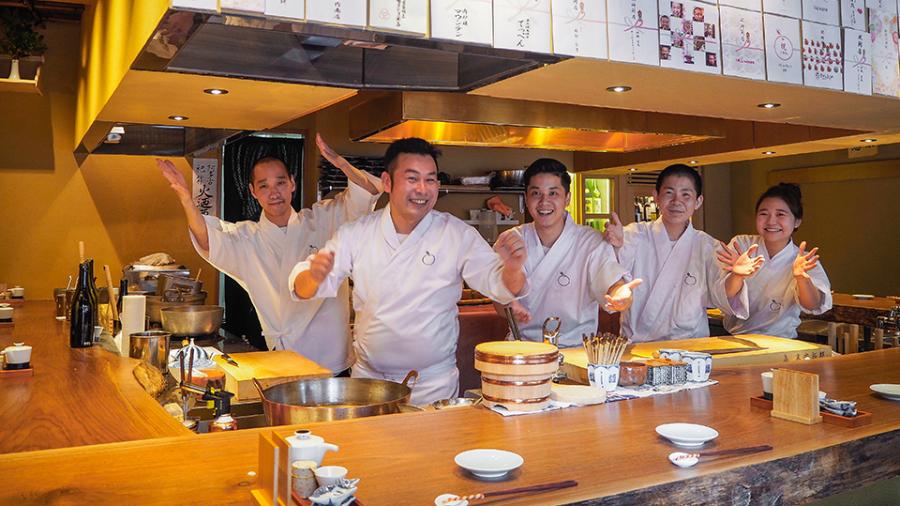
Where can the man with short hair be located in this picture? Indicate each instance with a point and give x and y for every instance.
(259, 255)
(570, 268)
(408, 263)
(677, 263)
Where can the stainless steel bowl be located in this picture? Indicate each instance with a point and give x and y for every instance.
(459, 402)
(192, 320)
(155, 303)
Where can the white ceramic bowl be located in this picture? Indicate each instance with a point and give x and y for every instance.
(486, 463)
(6, 312)
(889, 391)
(688, 435)
(330, 475)
(449, 500)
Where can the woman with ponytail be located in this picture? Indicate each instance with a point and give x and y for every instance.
(789, 279)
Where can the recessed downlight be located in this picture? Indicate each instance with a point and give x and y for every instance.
(215, 91)
(694, 162)
(178, 117)
(768, 152)
(869, 140)
(619, 89)
(768, 105)
(632, 169)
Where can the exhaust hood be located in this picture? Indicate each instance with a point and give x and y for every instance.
(458, 119)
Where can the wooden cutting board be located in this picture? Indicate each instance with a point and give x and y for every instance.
(760, 350)
(269, 367)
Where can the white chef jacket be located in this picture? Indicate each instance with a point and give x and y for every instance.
(771, 294)
(405, 294)
(570, 280)
(679, 281)
(260, 255)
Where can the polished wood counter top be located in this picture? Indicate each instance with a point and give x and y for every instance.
(611, 450)
(77, 396)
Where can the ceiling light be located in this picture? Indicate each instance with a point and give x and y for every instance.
(769, 105)
(869, 140)
(619, 89)
(632, 169)
(768, 152)
(215, 91)
(694, 162)
(178, 118)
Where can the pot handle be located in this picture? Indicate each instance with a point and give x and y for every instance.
(411, 375)
(260, 388)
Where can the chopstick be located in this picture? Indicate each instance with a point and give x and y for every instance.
(199, 270)
(604, 349)
(513, 326)
(736, 451)
(109, 289)
(521, 490)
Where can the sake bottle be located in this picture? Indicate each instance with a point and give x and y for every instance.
(83, 309)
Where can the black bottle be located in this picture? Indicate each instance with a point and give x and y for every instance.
(84, 309)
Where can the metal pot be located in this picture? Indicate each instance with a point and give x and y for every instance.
(155, 303)
(507, 178)
(192, 320)
(151, 347)
(327, 399)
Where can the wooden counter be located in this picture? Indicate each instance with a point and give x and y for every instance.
(610, 449)
(845, 308)
(77, 396)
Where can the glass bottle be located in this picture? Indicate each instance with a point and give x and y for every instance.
(83, 309)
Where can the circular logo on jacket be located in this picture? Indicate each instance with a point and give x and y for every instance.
(428, 259)
(690, 279)
(775, 306)
(563, 280)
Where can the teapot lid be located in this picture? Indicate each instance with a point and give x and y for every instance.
(305, 438)
(17, 347)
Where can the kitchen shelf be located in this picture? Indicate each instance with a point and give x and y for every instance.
(19, 86)
(500, 223)
(475, 189)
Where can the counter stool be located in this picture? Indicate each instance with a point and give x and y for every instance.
(843, 337)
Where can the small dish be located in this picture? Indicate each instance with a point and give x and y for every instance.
(687, 435)
(449, 500)
(863, 296)
(889, 391)
(488, 463)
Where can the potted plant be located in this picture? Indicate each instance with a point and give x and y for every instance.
(18, 38)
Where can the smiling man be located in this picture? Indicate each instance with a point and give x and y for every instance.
(259, 255)
(408, 263)
(570, 268)
(676, 261)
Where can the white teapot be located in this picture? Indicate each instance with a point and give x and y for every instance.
(306, 446)
(17, 356)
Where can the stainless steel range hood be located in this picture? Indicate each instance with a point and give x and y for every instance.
(254, 48)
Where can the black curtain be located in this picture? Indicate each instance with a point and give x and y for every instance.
(239, 205)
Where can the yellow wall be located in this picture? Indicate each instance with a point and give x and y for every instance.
(119, 205)
(114, 32)
(854, 222)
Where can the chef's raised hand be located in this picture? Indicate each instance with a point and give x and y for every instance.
(320, 265)
(742, 264)
(521, 314)
(176, 180)
(621, 296)
(511, 248)
(614, 232)
(352, 173)
(805, 261)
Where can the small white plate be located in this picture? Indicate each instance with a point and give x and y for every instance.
(688, 435)
(887, 390)
(863, 296)
(488, 464)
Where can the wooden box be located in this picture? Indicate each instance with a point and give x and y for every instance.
(269, 367)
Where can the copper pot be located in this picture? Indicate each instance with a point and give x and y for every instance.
(326, 399)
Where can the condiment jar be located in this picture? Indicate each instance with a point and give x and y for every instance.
(223, 423)
(303, 477)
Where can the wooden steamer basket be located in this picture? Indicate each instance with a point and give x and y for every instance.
(516, 374)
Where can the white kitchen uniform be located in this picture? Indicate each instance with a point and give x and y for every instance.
(679, 281)
(771, 293)
(570, 280)
(405, 294)
(259, 256)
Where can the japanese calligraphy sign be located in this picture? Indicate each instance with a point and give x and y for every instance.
(853, 14)
(857, 62)
(783, 62)
(287, 9)
(885, 72)
(822, 11)
(579, 28)
(400, 15)
(789, 8)
(634, 31)
(743, 48)
(522, 25)
(341, 12)
(463, 20)
(205, 188)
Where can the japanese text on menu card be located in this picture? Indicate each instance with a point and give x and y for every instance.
(579, 28)
(342, 12)
(253, 6)
(689, 36)
(783, 62)
(288, 9)
(523, 25)
(743, 47)
(463, 20)
(890, 6)
(789, 8)
(822, 56)
(205, 187)
(822, 11)
(633, 31)
(402, 15)
(196, 5)
(885, 71)
(751, 5)
(853, 14)
(857, 62)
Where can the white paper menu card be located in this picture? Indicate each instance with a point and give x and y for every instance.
(523, 25)
(633, 31)
(463, 20)
(288, 9)
(823, 61)
(743, 46)
(752, 5)
(579, 28)
(691, 41)
(248, 6)
(885, 70)
(857, 62)
(196, 5)
(789, 8)
(822, 11)
(783, 61)
(400, 15)
(341, 12)
(853, 14)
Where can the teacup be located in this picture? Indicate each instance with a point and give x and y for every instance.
(330, 475)
(672, 354)
(603, 376)
(17, 292)
(699, 365)
(6, 313)
(767, 384)
(17, 356)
